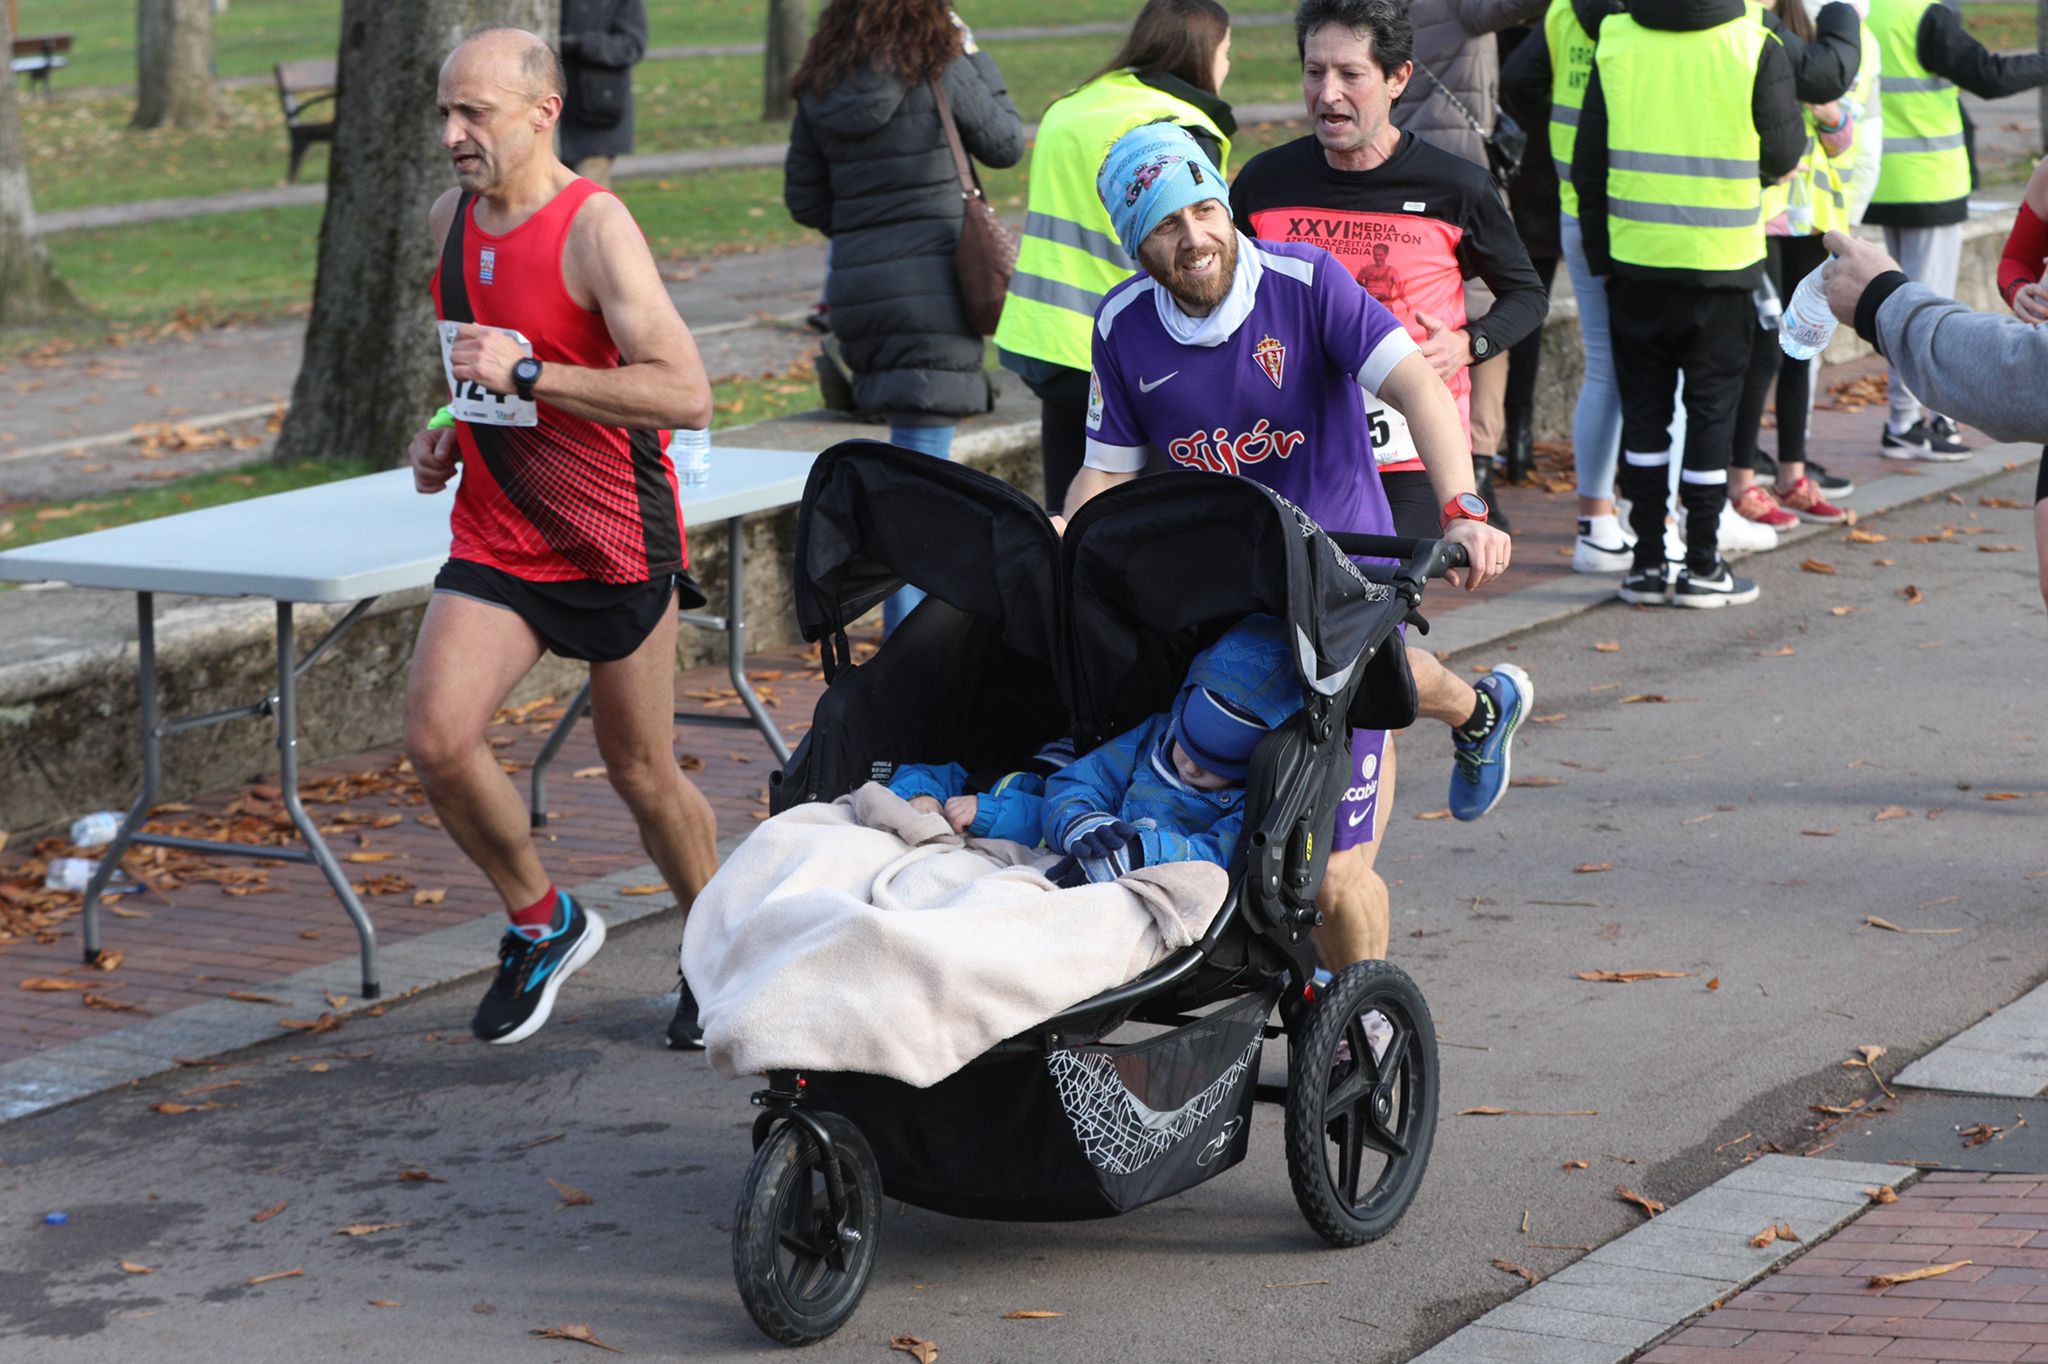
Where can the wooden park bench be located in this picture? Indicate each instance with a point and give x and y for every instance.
(300, 86)
(37, 55)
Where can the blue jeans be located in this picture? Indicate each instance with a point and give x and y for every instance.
(926, 440)
(1596, 421)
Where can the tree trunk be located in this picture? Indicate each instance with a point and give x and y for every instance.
(174, 64)
(29, 288)
(371, 373)
(787, 34)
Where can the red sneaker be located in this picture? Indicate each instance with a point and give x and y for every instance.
(1759, 506)
(1804, 499)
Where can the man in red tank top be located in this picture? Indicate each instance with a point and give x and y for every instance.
(566, 362)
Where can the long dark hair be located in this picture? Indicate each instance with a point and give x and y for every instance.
(1793, 12)
(912, 40)
(1179, 37)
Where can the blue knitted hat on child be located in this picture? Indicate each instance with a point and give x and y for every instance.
(1153, 171)
(1218, 735)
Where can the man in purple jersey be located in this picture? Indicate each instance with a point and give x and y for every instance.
(1252, 358)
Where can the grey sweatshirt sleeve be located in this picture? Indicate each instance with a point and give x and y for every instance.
(1963, 362)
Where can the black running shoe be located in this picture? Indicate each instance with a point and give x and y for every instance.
(1646, 587)
(685, 1033)
(1944, 440)
(1719, 588)
(530, 974)
(1831, 486)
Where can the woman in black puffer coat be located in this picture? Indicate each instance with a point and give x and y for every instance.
(869, 166)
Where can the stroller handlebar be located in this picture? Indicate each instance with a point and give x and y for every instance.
(1423, 558)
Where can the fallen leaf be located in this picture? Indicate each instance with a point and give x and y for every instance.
(312, 1026)
(585, 1335)
(1608, 646)
(1915, 1275)
(1864, 1056)
(368, 1228)
(93, 1001)
(381, 1302)
(428, 897)
(272, 1278)
(368, 857)
(690, 762)
(1510, 1267)
(419, 1177)
(1768, 1236)
(923, 1351)
(109, 961)
(1884, 563)
(270, 1212)
(1536, 781)
(585, 773)
(572, 1197)
(1784, 651)
(1999, 502)
(1978, 1133)
(1630, 977)
(1892, 812)
(1872, 921)
(1714, 984)
(130, 1267)
(1865, 537)
(1577, 1165)
(54, 983)
(1487, 1111)
(1588, 868)
(1435, 814)
(1816, 566)
(652, 888)
(1912, 594)
(171, 1108)
(1650, 1206)
(1884, 1193)
(1841, 610)
(1030, 1314)
(1998, 549)
(318, 1068)
(1820, 833)
(251, 997)
(1654, 698)
(335, 1001)
(2006, 795)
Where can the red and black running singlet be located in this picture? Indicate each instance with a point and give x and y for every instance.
(569, 498)
(1411, 230)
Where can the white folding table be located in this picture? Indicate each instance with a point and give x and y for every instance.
(350, 541)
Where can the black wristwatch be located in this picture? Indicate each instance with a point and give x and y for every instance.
(1481, 347)
(525, 374)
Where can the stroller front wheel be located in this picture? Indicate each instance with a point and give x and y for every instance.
(1361, 1103)
(801, 1271)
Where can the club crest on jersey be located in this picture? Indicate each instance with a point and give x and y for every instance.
(486, 264)
(1221, 453)
(1272, 358)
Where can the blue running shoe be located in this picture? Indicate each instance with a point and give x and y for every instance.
(1479, 775)
(530, 974)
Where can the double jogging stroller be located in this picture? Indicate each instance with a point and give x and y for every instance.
(1027, 635)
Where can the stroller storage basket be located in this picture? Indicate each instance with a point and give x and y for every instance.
(1090, 1130)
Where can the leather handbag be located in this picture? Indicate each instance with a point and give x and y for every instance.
(987, 254)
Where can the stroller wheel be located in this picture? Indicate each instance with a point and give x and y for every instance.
(801, 1274)
(1361, 1103)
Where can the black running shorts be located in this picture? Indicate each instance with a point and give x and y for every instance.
(596, 622)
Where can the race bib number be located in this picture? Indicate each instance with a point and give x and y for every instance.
(1392, 442)
(470, 401)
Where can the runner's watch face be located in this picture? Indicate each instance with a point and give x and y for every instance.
(1465, 507)
(525, 374)
(1481, 347)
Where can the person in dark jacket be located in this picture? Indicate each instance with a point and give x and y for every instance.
(1533, 203)
(601, 42)
(1670, 211)
(869, 165)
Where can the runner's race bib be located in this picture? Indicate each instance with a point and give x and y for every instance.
(470, 401)
(1392, 443)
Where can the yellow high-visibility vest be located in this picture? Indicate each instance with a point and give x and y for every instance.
(1571, 69)
(1925, 161)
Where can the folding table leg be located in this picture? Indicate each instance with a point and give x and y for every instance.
(559, 735)
(152, 771)
(736, 637)
(287, 707)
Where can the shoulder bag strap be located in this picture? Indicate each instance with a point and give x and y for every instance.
(970, 184)
(1456, 103)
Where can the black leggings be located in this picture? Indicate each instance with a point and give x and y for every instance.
(1062, 429)
(1789, 260)
(1526, 355)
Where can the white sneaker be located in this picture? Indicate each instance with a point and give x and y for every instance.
(1737, 533)
(1674, 542)
(1602, 547)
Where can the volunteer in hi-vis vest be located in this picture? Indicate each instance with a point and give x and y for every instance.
(565, 361)
(1170, 68)
(1670, 190)
(1923, 183)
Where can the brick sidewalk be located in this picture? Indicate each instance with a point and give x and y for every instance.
(239, 924)
(1821, 1307)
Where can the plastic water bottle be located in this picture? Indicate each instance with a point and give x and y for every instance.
(95, 830)
(1809, 322)
(691, 451)
(1768, 311)
(73, 873)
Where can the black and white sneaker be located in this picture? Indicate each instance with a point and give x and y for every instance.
(1706, 590)
(1917, 442)
(1646, 587)
(685, 1033)
(1944, 440)
(1831, 486)
(531, 973)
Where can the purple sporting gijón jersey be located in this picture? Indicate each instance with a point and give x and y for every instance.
(1267, 386)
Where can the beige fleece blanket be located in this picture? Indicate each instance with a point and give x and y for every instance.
(866, 936)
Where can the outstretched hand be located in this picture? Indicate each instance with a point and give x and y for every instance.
(1856, 263)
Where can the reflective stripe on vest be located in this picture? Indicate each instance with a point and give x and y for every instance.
(1068, 257)
(1817, 183)
(1682, 182)
(1571, 67)
(1924, 160)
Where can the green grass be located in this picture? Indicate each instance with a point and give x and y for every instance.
(2004, 27)
(24, 523)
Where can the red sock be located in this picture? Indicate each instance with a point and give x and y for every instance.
(539, 917)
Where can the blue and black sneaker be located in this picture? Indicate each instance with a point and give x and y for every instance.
(531, 972)
(1479, 773)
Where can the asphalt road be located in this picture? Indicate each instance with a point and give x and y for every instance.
(1777, 720)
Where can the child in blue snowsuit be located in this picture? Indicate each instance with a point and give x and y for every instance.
(1009, 809)
(1172, 789)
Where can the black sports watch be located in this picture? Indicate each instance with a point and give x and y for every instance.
(525, 374)
(1481, 347)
